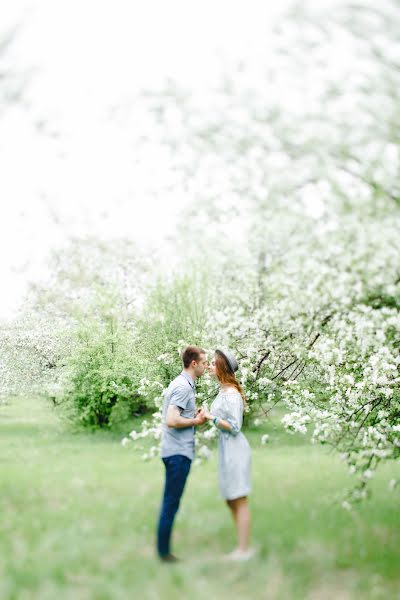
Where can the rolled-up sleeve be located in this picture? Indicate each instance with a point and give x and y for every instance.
(180, 397)
(234, 412)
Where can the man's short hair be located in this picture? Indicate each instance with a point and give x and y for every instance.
(191, 353)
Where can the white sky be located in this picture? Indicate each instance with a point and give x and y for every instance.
(91, 56)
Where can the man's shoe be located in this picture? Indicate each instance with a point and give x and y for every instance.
(169, 558)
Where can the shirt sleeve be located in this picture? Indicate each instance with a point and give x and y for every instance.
(234, 412)
(180, 397)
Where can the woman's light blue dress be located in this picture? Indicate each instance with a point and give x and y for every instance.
(234, 453)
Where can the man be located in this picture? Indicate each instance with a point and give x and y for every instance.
(177, 448)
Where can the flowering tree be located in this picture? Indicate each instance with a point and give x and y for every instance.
(86, 268)
(87, 302)
(289, 251)
(32, 351)
(299, 218)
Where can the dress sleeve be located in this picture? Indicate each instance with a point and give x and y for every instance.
(233, 410)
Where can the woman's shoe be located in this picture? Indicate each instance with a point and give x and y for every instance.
(241, 555)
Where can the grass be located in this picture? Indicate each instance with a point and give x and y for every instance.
(78, 514)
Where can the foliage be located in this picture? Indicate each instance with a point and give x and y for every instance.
(86, 268)
(300, 206)
(100, 380)
(289, 250)
(32, 353)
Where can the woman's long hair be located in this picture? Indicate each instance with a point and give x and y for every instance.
(226, 376)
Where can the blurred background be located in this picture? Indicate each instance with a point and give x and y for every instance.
(120, 120)
(81, 150)
(217, 173)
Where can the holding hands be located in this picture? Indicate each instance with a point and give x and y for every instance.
(202, 415)
(200, 418)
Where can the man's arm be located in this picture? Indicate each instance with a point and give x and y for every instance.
(174, 419)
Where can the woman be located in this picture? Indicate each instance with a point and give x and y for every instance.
(234, 454)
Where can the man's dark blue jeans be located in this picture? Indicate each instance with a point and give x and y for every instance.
(177, 469)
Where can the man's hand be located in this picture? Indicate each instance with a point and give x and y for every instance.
(204, 411)
(174, 418)
(200, 417)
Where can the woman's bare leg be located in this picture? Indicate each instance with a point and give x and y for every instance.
(231, 504)
(241, 514)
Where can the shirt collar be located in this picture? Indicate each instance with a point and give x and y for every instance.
(188, 378)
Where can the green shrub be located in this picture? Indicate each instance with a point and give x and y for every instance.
(112, 355)
(101, 374)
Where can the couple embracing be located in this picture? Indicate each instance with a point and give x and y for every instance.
(180, 417)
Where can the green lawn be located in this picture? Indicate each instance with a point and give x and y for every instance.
(78, 514)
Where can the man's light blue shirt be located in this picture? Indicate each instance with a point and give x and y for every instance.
(180, 393)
